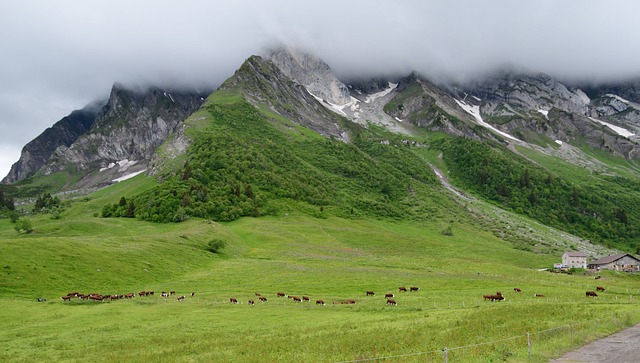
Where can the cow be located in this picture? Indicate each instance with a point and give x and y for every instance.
(599, 288)
(233, 300)
(280, 294)
(296, 299)
(172, 292)
(251, 302)
(66, 298)
(129, 295)
(598, 277)
(74, 294)
(41, 299)
(388, 295)
(262, 298)
(414, 288)
(538, 295)
(402, 289)
(391, 302)
(320, 302)
(350, 302)
(591, 293)
(193, 294)
(497, 297)
(164, 294)
(142, 293)
(306, 298)
(257, 293)
(370, 293)
(517, 289)
(181, 297)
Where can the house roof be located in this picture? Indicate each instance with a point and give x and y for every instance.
(575, 254)
(609, 259)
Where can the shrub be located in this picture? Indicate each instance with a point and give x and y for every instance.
(215, 245)
(23, 226)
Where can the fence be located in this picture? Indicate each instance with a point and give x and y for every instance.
(539, 344)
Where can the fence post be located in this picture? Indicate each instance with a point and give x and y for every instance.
(596, 328)
(529, 345)
(446, 355)
(571, 331)
(614, 319)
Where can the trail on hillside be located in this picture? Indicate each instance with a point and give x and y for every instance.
(621, 347)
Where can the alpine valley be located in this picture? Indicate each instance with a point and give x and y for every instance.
(286, 178)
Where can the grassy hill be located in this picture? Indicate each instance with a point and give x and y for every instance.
(331, 258)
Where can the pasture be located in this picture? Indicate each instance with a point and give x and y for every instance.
(329, 259)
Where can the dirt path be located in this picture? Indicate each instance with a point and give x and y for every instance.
(621, 347)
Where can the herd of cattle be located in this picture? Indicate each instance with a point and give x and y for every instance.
(499, 297)
(390, 297)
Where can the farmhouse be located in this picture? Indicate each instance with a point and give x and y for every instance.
(620, 262)
(574, 259)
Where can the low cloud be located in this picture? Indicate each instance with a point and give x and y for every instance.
(59, 56)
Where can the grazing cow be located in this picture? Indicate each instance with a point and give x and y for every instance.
(350, 302)
(497, 297)
(599, 288)
(66, 298)
(74, 294)
(598, 277)
(320, 302)
(181, 297)
(538, 295)
(193, 294)
(388, 295)
(41, 299)
(370, 293)
(591, 293)
(336, 302)
(263, 299)
(402, 289)
(306, 298)
(164, 294)
(233, 300)
(251, 302)
(391, 302)
(129, 295)
(296, 299)
(257, 293)
(280, 294)
(414, 288)
(517, 289)
(172, 292)
(142, 293)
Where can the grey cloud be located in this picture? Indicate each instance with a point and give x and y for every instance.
(58, 56)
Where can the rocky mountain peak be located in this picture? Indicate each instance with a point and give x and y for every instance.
(311, 72)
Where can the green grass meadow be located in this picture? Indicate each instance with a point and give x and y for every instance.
(330, 259)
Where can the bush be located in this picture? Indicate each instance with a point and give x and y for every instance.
(215, 245)
(23, 226)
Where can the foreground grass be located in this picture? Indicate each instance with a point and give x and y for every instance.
(329, 259)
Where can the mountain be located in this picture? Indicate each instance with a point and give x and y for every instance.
(103, 142)
(284, 133)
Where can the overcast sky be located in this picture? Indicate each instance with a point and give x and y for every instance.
(57, 56)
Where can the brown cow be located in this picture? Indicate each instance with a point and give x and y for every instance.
(251, 302)
(172, 292)
(233, 300)
(67, 298)
(497, 297)
(414, 288)
(193, 294)
(538, 295)
(306, 298)
(181, 297)
(262, 298)
(296, 299)
(164, 294)
(402, 288)
(280, 294)
(257, 293)
(320, 302)
(350, 302)
(599, 288)
(517, 289)
(370, 293)
(388, 295)
(591, 293)
(391, 302)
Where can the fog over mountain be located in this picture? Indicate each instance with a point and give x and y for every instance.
(58, 56)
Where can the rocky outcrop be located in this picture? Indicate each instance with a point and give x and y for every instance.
(311, 72)
(61, 135)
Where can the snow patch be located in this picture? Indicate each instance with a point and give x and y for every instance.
(475, 112)
(618, 98)
(619, 130)
(129, 176)
(545, 113)
(583, 96)
(383, 93)
(558, 142)
(398, 119)
(476, 98)
(353, 104)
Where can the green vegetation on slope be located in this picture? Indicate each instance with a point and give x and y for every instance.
(603, 209)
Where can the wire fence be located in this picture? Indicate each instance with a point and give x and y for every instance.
(563, 337)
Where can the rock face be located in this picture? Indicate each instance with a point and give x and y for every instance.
(62, 134)
(311, 72)
(105, 144)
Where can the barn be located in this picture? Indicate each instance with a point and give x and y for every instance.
(620, 262)
(574, 259)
